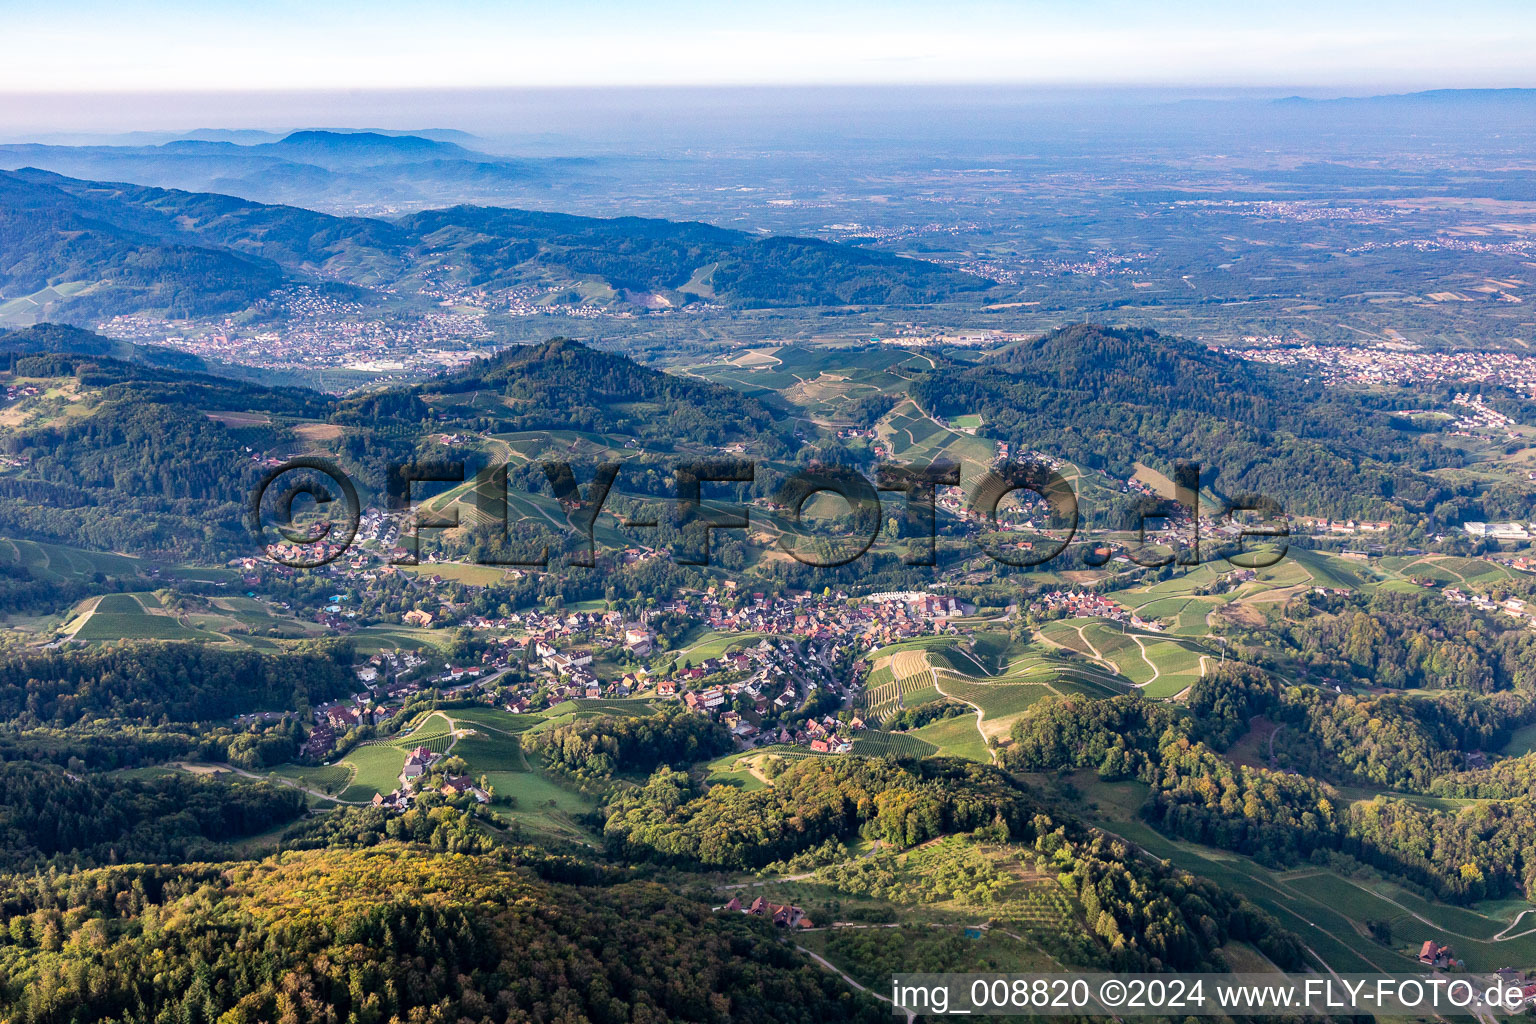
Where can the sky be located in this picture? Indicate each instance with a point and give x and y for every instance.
(122, 46)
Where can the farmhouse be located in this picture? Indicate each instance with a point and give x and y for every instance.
(1434, 954)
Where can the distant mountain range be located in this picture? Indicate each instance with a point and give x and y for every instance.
(73, 249)
(347, 169)
(1436, 96)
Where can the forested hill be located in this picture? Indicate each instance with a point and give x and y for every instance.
(1108, 398)
(128, 456)
(564, 385)
(158, 460)
(394, 933)
(62, 338)
(635, 254)
(92, 254)
(116, 248)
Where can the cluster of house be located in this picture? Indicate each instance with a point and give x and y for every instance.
(315, 553)
(1084, 604)
(874, 621)
(418, 763)
(773, 675)
(1475, 418)
(1389, 363)
(1514, 607)
(389, 680)
(782, 914)
(1341, 527)
(765, 674)
(827, 736)
(1512, 976)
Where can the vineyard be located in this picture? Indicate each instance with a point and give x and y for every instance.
(1161, 665)
(903, 679)
(892, 744)
(996, 700)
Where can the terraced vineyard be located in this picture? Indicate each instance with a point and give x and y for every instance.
(375, 769)
(911, 675)
(1119, 650)
(1161, 665)
(328, 778)
(997, 700)
(882, 692)
(892, 744)
(55, 561)
(903, 679)
(486, 751)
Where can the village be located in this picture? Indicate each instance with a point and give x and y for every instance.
(797, 652)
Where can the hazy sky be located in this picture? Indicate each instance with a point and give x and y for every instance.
(110, 45)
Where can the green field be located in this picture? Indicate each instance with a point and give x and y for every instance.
(995, 699)
(956, 737)
(329, 778)
(732, 770)
(713, 643)
(494, 719)
(474, 575)
(541, 803)
(55, 561)
(376, 768)
(491, 752)
(1162, 665)
(134, 617)
(377, 765)
(1521, 741)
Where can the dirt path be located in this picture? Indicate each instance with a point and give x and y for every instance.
(1093, 651)
(991, 754)
(1156, 672)
(1503, 936)
(279, 780)
(911, 1016)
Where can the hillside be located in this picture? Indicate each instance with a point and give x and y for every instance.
(82, 248)
(327, 148)
(111, 454)
(398, 932)
(128, 455)
(639, 255)
(62, 338)
(1107, 398)
(64, 249)
(565, 385)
